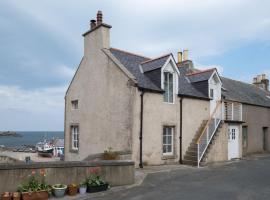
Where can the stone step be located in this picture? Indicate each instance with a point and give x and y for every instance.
(190, 157)
(190, 162)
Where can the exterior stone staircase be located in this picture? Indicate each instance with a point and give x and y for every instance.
(190, 157)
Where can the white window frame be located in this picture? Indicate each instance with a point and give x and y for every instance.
(172, 140)
(75, 104)
(175, 73)
(166, 73)
(75, 140)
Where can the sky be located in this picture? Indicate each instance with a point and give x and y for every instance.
(41, 45)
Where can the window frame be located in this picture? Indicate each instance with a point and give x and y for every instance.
(167, 144)
(75, 104)
(166, 99)
(211, 95)
(72, 140)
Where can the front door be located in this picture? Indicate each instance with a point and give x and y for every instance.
(233, 142)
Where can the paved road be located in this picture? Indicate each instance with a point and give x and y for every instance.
(241, 180)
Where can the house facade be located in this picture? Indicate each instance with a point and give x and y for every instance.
(158, 110)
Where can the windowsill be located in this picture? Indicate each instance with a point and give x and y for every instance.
(74, 150)
(167, 157)
(168, 103)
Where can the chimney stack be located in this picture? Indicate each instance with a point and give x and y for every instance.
(99, 17)
(261, 81)
(92, 24)
(179, 57)
(185, 55)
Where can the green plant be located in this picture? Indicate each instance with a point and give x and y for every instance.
(95, 179)
(35, 183)
(83, 184)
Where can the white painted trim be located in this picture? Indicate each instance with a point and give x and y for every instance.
(169, 153)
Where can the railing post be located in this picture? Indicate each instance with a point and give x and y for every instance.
(198, 155)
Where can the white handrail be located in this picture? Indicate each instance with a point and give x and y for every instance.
(208, 132)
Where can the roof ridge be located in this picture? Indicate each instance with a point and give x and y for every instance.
(157, 58)
(124, 51)
(200, 72)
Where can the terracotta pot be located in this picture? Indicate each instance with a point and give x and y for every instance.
(6, 196)
(16, 196)
(40, 195)
(72, 190)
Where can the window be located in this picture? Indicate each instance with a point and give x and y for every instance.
(212, 93)
(168, 87)
(75, 104)
(75, 137)
(168, 140)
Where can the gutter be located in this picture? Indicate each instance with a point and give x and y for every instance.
(181, 130)
(141, 129)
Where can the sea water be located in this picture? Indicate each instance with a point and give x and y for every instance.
(29, 138)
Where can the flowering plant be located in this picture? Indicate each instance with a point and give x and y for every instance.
(35, 182)
(95, 179)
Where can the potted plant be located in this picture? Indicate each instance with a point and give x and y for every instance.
(59, 190)
(72, 189)
(6, 196)
(110, 154)
(35, 188)
(83, 187)
(95, 183)
(16, 196)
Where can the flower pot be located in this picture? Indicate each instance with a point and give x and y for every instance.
(82, 190)
(72, 190)
(16, 196)
(92, 189)
(59, 190)
(39, 195)
(6, 196)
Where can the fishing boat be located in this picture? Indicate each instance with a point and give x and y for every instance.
(45, 149)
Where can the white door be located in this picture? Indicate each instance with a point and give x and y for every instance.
(233, 142)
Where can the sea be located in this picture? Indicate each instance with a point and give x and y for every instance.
(30, 138)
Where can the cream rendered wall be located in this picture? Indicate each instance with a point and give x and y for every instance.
(194, 112)
(255, 119)
(105, 97)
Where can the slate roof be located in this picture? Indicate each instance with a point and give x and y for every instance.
(132, 63)
(154, 64)
(200, 76)
(245, 93)
(190, 81)
(187, 88)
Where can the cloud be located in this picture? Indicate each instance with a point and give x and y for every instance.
(219, 68)
(39, 109)
(64, 72)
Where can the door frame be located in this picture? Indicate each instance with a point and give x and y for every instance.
(237, 132)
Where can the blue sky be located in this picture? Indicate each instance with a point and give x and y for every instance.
(41, 45)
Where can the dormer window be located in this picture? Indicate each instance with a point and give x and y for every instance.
(168, 87)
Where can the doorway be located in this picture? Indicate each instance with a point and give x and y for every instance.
(265, 139)
(233, 142)
(244, 140)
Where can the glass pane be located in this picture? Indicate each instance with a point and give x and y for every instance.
(164, 149)
(164, 140)
(169, 148)
(169, 140)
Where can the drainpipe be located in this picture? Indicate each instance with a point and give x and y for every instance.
(181, 131)
(141, 130)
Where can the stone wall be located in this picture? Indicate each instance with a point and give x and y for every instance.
(117, 173)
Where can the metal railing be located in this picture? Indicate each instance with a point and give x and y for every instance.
(208, 132)
(232, 111)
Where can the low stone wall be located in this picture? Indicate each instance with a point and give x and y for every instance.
(7, 159)
(117, 173)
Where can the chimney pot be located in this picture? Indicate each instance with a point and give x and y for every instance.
(180, 56)
(99, 17)
(92, 24)
(185, 55)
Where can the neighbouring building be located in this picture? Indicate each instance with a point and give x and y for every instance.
(158, 110)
